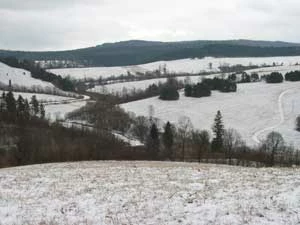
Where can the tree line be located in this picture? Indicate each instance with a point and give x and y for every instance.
(19, 109)
(184, 143)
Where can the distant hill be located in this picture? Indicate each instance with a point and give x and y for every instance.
(140, 52)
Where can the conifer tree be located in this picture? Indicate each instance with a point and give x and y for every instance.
(34, 105)
(168, 140)
(10, 103)
(153, 142)
(2, 103)
(26, 109)
(20, 108)
(20, 105)
(42, 111)
(218, 129)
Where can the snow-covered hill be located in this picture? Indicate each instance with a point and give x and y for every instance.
(96, 193)
(192, 66)
(56, 106)
(254, 110)
(20, 77)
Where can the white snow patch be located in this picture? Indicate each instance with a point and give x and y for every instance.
(20, 77)
(130, 141)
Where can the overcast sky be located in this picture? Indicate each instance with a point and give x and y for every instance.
(69, 24)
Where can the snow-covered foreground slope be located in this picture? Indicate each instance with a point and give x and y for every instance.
(254, 110)
(96, 193)
(175, 66)
(20, 77)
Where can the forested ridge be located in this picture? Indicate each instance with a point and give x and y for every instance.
(140, 52)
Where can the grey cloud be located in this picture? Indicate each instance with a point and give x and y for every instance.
(45, 4)
(65, 24)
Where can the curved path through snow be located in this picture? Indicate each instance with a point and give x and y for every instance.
(256, 135)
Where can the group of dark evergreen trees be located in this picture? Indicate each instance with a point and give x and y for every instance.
(277, 77)
(197, 90)
(274, 77)
(219, 84)
(169, 90)
(167, 138)
(245, 78)
(154, 140)
(204, 88)
(292, 76)
(20, 110)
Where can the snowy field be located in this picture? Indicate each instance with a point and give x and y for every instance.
(254, 110)
(192, 66)
(118, 88)
(20, 77)
(155, 193)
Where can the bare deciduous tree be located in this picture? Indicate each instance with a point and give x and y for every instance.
(231, 142)
(140, 128)
(201, 140)
(274, 143)
(184, 131)
(151, 111)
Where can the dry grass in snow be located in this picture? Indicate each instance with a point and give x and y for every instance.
(148, 193)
